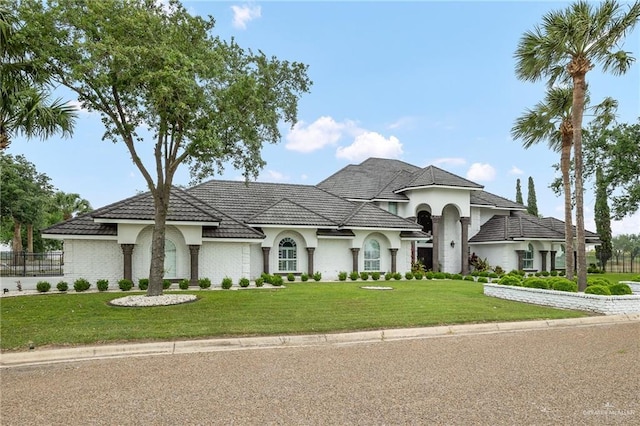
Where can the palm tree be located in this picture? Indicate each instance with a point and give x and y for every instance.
(70, 204)
(567, 45)
(24, 104)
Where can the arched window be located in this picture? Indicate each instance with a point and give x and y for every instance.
(287, 255)
(527, 260)
(169, 259)
(424, 219)
(561, 257)
(372, 255)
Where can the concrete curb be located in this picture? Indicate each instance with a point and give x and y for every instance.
(48, 356)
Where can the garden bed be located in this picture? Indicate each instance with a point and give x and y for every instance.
(607, 305)
(635, 286)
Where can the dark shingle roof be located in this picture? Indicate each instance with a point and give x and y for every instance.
(484, 198)
(521, 225)
(435, 176)
(82, 225)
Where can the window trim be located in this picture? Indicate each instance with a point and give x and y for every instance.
(527, 258)
(371, 264)
(288, 263)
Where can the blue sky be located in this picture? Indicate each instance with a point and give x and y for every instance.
(424, 82)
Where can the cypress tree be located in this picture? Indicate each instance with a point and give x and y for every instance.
(518, 192)
(532, 202)
(603, 221)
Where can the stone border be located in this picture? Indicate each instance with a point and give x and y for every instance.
(607, 305)
(635, 286)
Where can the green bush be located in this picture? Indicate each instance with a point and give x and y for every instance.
(408, 275)
(456, 277)
(143, 283)
(204, 283)
(554, 273)
(354, 275)
(125, 284)
(43, 286)
(183, 284)
(598, 281)
(418, 275)
(482, 279)
(364, 275)
(304, 277)
(439, 275)
(388, 276)
(291, 277)
(342, 276)
(81, 285)
(470, 278)
(563, 284)
(636, 279)
(277, 281)
(620, 289)
(428, 275)
(397, 276)
(510, 280)
(545, 273)
(228, 282)
(259, 282)
(267, 278)
(562, 273)
(244, 282)
(62, 286)
(375, 276)
(166, 284)
(317, 276)
(103, 285)
(534, 282)
(498, 270)
(598, 289)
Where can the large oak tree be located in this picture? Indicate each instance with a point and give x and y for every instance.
(152, 67)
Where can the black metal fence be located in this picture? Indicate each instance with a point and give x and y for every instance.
(23, 264)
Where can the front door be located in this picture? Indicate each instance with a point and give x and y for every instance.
(425, 256)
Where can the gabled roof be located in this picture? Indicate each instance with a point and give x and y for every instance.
(487, 199)
(435, 176)
(521, 226)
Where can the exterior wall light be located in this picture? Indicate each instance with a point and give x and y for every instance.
(453, 244)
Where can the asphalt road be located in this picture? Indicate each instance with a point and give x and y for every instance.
(579, 375)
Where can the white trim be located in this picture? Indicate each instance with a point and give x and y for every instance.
(335, 237)
(79, 237)
(413, 188)
(292, 227)
(233, 240)
(151, 222)
(495, 207)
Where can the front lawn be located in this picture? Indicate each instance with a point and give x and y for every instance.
(300, 308)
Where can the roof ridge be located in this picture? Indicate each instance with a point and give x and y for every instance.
(294, 203)
(353, 212)
(182, 194)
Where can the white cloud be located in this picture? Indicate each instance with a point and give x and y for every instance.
(479, 172)
(515, 171)
(273, 176)
(244, 14)
(402, 122)
(628, 225)
(450, 161)
(371, 144)
(322, 132)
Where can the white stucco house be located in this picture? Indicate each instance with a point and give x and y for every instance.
(380, 215)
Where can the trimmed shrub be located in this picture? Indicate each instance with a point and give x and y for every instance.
(228, 282)
(267, 278)
(125, 284)
(317, 276)
(204, 283)
(183, 284)
(103, 285)
(598, 289)
(166, 284)
(342, 276)
(417, 275)
(456, 277)
(62, 286)
(277, 281)
(244, 282)
(498, 270)
(439, 276)
(375, 276)
(143, 283)
(470, 278)
(545, 273)
(354, 275)
(304, 277)
(43, 286)
(408, 275)
(259, 282)
(493, 275)
(291, 277)
(598, 281)
(364, 275)
(81, 285)
(554, 273)
(388, 276)
(636, 279)
(397, 276)
(510, 280)
(620, 289)
(562, 273)
(482, 279)
(534, 282)
(563, 284)
(428, 275)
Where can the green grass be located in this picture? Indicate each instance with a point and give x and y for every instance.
(76, 319)
(615, 277)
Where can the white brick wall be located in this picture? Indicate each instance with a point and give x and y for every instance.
(93, 260)
(608, 305)
(219, 260)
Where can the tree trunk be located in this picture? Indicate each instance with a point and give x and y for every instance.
(30, 238)
(577, 110)
(565, 165)
(16, 245)
(156, 269)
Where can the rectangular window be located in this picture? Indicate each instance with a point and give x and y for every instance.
(393, 207)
